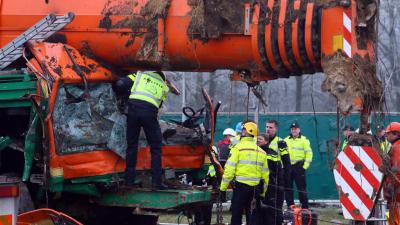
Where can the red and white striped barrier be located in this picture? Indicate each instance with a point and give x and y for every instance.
(358, 180)
(9, 193)
(347, 29)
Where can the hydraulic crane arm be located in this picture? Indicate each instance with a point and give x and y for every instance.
(258, 40)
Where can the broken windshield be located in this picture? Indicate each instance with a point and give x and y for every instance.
(88, 123)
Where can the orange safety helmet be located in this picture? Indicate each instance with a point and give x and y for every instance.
(393, 126)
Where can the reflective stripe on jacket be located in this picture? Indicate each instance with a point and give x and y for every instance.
(299, 150)
(247, 164)
(132, 76)
(149, 87)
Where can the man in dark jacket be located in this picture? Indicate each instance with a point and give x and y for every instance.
(146, 91)
(279, 166)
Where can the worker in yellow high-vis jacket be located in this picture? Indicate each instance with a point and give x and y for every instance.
(147, 91)
(383, 142)
(301, 155)
(248, 167)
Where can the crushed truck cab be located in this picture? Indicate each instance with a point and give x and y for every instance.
(76, 136)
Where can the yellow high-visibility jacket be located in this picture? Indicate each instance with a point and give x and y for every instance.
(385, 146)
(211, 171)
(247, 164)
(279, 151)
(299, 150)
(148, 87)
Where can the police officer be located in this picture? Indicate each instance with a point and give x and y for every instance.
(248, 166)
(300, 157)
(147, 91)
(279, 166)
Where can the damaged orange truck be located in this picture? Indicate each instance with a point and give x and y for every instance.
(64, 127)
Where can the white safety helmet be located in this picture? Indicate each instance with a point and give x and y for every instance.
(229, 131)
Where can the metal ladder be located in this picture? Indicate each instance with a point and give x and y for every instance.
(38, 32)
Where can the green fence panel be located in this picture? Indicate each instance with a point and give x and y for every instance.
(319, 129)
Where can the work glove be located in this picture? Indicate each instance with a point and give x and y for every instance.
(222, 196)
(282, 144)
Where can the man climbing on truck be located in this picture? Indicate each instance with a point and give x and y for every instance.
(148, 90)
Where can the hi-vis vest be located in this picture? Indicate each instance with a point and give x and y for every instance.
(299, 150)
(247, 164)
(279, 152)
(148, 87)
(385, 146)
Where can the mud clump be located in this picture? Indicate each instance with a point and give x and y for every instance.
(87, 51)
(146, 24)
(373, 90)
(85, 69)
(152, 11)
(212, 18)
(58, 71)
(105, 22)
(57, 38)
(350, 79)
(119, 7)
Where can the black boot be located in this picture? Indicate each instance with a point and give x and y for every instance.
(130, 178)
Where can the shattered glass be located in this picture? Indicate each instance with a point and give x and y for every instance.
(86, 123)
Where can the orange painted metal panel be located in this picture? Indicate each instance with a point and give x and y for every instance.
(332, 21)
(281, 36)
(308, 33)
(234, 51)
(295, 37)
(231, 51)
(105, 162)
(42, 215)
(254, 36)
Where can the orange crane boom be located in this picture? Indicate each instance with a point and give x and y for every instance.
(260, 41)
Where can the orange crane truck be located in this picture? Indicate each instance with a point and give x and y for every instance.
(61, 121)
